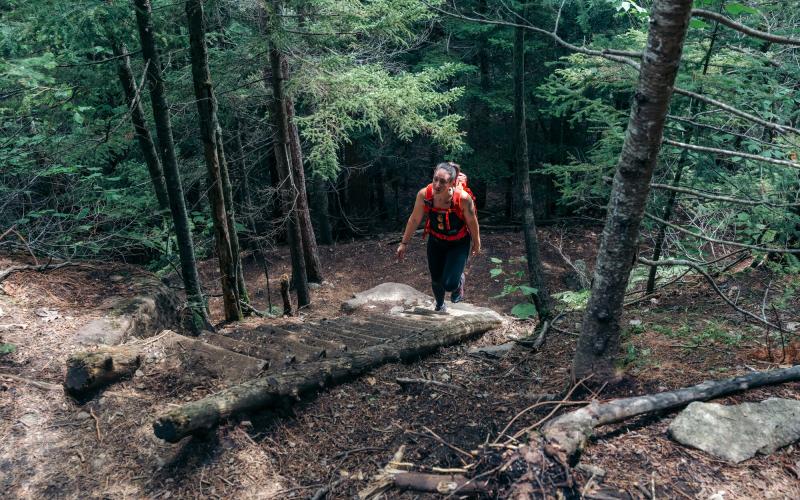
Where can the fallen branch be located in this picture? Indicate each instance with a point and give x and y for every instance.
(5, 273)
(404, 382)
(747, 30)
(566, 436)
(89, 371)
(688, 263)
(46, 386)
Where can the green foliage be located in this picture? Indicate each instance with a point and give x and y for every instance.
(512, 285)
(6, 348)
(353, 99)
(573, 300)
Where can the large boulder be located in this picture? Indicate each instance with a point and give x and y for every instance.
(737, 432)
(388, 294)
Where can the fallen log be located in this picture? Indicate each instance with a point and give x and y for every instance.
(567, 435)
(268, 391)
(89, 371)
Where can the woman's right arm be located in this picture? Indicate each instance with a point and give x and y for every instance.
(413, 223)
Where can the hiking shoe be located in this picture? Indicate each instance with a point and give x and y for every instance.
(441, 308)
(457, 295)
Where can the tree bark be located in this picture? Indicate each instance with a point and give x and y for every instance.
(570, 432)
(289, 192)
(310, 251)
(541, 299)
(227, 191)
(212, 151)
(599, 340)
(146, 144)
(268, 391)
(321, 212)
(166, 145)
(89, 371)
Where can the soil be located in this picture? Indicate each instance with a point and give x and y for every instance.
(51, 446)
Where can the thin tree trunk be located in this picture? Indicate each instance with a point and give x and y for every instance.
(146, 144)
(322, 215)
(166, 145)
(310, 252)
(207, 111)
(541, 299)
(599, 340)
(227, 191)
(289, 192)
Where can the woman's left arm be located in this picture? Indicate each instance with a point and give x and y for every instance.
(471, 219)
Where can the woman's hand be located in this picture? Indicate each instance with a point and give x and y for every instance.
(476, 247)
(401, 252)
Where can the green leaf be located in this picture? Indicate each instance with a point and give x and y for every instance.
(496, 260)
(495, 272)
(698, 24)
(528, 290)
(7, 348)
(737, 8)
(523, 311)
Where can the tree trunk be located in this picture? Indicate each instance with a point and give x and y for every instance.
(599, 340)
(265, 392)
(320, 203)
(541, 299)
(166, 145)
(289, 192)
(227, 191)
(140, 124)
(310, 252)
(207, 111)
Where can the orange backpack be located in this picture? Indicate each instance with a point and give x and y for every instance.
(443, 229)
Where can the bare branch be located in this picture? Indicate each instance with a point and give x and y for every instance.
(725, 131)
(688, 263)
(735, 111)
(713, 16)
(722, 242)
(624, 57)
(728, 152)
(716, 197)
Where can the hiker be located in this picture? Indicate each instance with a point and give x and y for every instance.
(453, 228)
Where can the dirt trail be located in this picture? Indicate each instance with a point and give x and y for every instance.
(52, 447)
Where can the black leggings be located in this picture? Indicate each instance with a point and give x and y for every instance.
(446, 262)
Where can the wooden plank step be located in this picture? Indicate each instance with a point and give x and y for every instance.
(272, 356)
(288, 346)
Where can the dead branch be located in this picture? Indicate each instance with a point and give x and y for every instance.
(722, 242)
(40, 268)
(728, 152)
(46, 386)
(405, 382)
(727, 199)
(438, 483)
(566, 436)
(679, 262)
(624, 58)
(730, 23)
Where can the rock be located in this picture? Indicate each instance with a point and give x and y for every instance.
(314, 286)
(635, 322)
(592, 470)
(737, 432)
(388, 294)
(82, 415)
(30, 419)
(495, 351)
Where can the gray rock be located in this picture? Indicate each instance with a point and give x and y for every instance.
(388, 294)
(592, 470)
(495, 351)
(737, 432)
(82, 415)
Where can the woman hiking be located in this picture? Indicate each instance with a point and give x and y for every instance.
(453, 228)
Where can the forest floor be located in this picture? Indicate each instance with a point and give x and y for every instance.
(51, 447)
